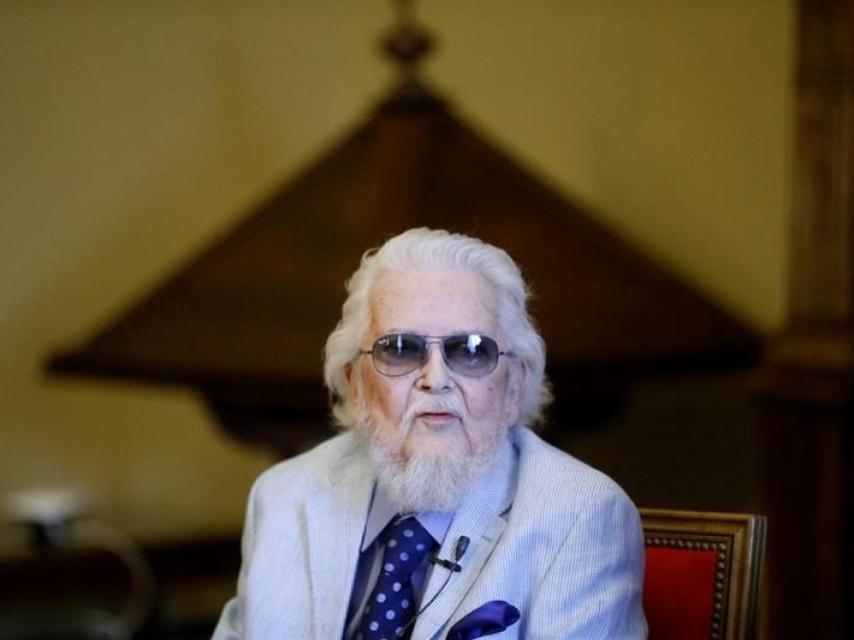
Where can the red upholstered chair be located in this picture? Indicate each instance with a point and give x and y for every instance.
(703, 574)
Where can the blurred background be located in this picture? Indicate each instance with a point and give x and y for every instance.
(135, 134)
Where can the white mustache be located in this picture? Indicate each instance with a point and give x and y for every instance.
(431, 405)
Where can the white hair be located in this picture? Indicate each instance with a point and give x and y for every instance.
(423, 249)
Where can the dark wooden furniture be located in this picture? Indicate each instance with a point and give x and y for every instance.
(244, 323)
(703, 574)
(805, 386)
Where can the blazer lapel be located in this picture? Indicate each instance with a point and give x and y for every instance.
(480, 519)
(335, 520)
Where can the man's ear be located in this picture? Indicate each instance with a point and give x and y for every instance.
(517, 375)
(350, 378)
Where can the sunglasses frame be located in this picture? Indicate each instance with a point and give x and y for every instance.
(440, 340)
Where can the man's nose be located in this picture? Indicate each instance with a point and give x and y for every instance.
(434, 373)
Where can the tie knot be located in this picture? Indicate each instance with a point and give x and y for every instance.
(407, 542)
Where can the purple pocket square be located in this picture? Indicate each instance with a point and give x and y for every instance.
(493, 617)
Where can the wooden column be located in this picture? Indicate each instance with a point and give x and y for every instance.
(805, 382)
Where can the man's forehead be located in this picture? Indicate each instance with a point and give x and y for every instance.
(452, 300)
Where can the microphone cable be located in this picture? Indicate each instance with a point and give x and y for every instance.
(452, 567)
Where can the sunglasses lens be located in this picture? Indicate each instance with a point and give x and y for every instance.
(471, 354)
(399, 353)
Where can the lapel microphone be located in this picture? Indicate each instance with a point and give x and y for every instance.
(452, 566)
(459, 552)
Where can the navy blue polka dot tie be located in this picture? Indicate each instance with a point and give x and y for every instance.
(391, 605)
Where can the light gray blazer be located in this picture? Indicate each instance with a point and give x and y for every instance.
(558, 540)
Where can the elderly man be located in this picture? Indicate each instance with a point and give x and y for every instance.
(438, 513)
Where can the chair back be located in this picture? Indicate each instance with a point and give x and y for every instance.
(703, 573)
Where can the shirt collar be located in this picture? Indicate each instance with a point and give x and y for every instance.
(382, 512)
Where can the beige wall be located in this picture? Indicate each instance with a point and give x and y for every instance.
(131, 132)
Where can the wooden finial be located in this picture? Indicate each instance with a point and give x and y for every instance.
(408, 42)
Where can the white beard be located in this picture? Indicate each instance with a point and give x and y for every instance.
(427, 480)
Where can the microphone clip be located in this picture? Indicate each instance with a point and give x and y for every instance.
(459, 552)
(447, 564)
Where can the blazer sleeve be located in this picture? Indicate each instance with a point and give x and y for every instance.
(232, 621)
(592, 589)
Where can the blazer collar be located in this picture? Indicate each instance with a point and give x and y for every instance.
(481, 519)
(335, 520)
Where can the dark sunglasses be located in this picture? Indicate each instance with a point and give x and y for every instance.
(468, 354)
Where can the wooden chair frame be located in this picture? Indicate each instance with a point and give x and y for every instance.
(739, 540)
